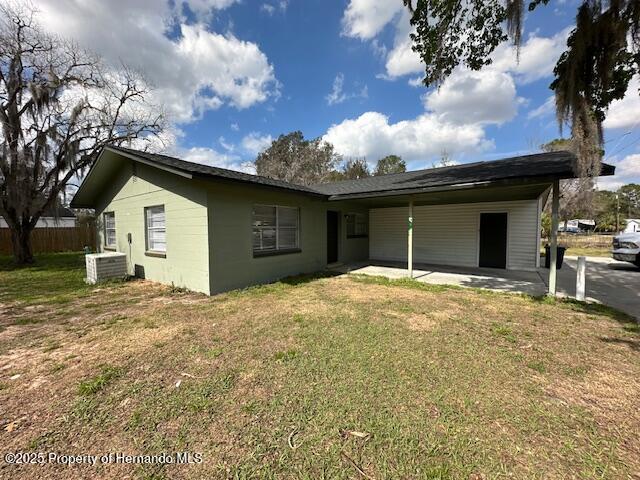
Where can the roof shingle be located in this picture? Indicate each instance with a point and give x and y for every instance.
(524, 167)
(207, 171)
(552, 164)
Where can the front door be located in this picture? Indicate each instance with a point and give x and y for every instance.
(493, 240)
(332, 236)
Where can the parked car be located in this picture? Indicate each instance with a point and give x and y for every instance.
(626, 247)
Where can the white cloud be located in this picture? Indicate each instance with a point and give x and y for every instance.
(211, 157)
(364, 19)
(228, 146)
(468, 97)
(547, 108)
(198, 71)
(373, 136)
(232, 68)
(402, 60)
(538, 57)
(205, 7)
(338, 95)
(625, 113)
(627, 171)
(268, 8)
(235, 127)
(254, 143)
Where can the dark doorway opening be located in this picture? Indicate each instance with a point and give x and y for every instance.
(332, 236)
(493, 240)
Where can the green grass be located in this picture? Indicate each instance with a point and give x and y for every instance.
(53, 279)
(267, 382)
(93, 385)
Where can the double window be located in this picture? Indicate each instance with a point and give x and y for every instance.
(357, 225)
(156, 230)
(275, 229)
(109, 229)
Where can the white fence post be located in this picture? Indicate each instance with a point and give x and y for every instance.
(410, 241)
(580, 279)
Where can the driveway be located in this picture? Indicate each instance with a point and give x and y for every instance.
(613, 283)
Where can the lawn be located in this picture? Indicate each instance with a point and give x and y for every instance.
(589, 251)
(314, 377)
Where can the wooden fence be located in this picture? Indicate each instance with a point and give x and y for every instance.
(584, 240)
(46, 240)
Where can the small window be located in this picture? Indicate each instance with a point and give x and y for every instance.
(109, 229)
(275, 228)
(156, 231)
(357, 225)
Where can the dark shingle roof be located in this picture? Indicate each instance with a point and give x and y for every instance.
(550, 165)
(58, 212)
(525, 167)
(197, 169)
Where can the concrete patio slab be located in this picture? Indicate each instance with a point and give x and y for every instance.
(514, 281)
(613, 283)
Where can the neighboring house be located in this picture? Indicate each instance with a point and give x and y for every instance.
(632, 226)
(53, 217)
(210, 229)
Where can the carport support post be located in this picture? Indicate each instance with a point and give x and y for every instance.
(410, 240)
(581, 289)
(553, 252)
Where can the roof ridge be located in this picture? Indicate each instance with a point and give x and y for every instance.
(221, 169)
(441, 168)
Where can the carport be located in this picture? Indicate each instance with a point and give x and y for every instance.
(479, 215)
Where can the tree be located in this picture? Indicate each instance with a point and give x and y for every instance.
(293, 159)
(355, 168)
(58, 107)
(600, 60)
(575, 194)
(630, 200)
(604, 206)
(390, 164)
(445, 160)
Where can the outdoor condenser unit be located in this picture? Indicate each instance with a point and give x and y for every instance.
(103, 266)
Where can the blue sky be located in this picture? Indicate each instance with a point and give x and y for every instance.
(232, 75)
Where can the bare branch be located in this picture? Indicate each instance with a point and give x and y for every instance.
(59, 106)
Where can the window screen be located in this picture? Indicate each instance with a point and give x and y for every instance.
(156, 230)
(275, 228)
(109, 229)
(357, 225)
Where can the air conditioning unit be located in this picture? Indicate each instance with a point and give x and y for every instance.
(103, 266)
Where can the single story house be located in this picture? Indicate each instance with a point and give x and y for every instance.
(210, 229)
(53, 217)
(632, 225)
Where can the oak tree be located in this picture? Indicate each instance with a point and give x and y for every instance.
(59, 105)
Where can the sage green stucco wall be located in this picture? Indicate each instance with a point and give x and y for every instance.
(187, 257)
(231, 255)
(208, 228)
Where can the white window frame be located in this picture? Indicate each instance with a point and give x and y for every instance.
(147, 228)
(107, 230)
(277, 249)
(363, 222)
